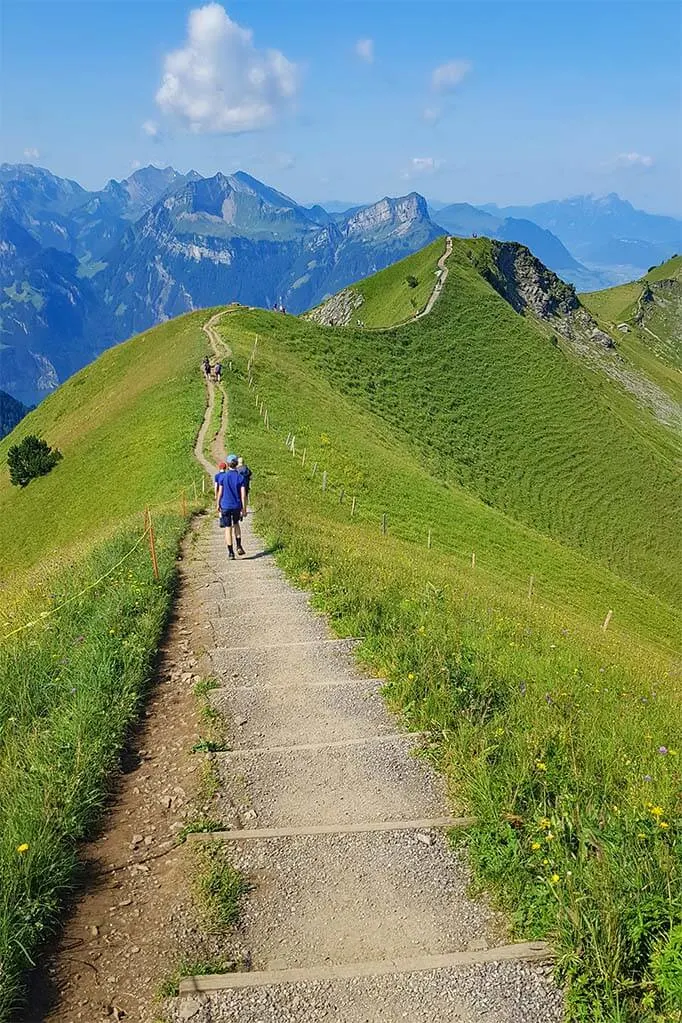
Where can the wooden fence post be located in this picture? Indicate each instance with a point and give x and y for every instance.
(203, 484)
(196, 496)
(303, 458)
(312, 475)
(428, 540)
(324, 481)
(384, 523)
(473, 561)
(352, 506)
(607, 620)
(341, 493)
(530, 587)
(152, 544)
(288, 440)
(293, 445)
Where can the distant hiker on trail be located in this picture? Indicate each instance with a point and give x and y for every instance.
(222, 466)
(217, 371)
(231, 503)
(206, 366)
(245, 473)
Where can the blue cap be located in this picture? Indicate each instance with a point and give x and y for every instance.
(232, 459)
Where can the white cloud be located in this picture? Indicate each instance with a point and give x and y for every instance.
(31, 153)
(421, 165)
(219, 82)
(285, 161)
(634, 160)
(431, 114)
(364, 49)
(150, 128)
(448, 76)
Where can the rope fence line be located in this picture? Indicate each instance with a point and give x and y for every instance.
(290, 444)
(53, 610)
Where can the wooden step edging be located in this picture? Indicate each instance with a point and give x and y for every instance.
(244, 834)
(317, 747)
(533, 951)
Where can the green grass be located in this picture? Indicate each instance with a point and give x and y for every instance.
(487, 403)
(219, 888)
(125, 426)
(73, 682)
(388, 298)
(654, 345)
(548, 728)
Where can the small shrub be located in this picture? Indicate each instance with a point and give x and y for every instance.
(411, 281)
(30, 458)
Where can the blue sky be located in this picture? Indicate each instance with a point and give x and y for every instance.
(479, 102)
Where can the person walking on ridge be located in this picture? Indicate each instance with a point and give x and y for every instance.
(222, 466)
(206, 366)
(231, 504)
(217, 372)
(245, 473)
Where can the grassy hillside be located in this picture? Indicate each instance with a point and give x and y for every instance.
(488, 403)
(655, 325)
(123, 426)
(76, 570)
(548, 727)
(388, 298)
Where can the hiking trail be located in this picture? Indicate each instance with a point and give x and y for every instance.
(359, 909)
(440, 283)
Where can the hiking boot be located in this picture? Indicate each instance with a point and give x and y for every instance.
(230, 553)
(240, 549)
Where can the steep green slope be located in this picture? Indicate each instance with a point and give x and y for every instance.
(488, 402)
(387, 298)
(81, 614)
(652, 310)
(124, 426)
(547, 727)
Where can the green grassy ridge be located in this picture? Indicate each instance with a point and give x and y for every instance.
(658, 355)
(125, 426)
(388, 298)
(537, 715)
(74, 680)
(487, 402)
(364, 457)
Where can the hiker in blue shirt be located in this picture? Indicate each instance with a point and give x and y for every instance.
(245, 473)
(231, 503)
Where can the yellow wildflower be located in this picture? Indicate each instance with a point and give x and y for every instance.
(657, 811)
(554, 878)
(535, 846)
(663, 824)
(545, 822)
(410, 677)
(641, 834)
(540, 765)
(23, 847)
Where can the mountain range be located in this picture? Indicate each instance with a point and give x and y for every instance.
(81, 270)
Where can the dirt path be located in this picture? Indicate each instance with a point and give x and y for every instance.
(440, 283)
(359, 909)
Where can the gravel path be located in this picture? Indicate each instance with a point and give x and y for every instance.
(352, 922)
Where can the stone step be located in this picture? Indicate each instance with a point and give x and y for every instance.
(335, 899)
(280, 626)
(297, 663)
(344, 783)
(291, 715)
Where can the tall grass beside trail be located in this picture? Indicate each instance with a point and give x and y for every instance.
(563, 740)
(71, 687)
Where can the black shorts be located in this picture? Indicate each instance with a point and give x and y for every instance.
(230, 517)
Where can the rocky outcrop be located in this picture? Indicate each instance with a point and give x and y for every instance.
(530, 287)
(534, 290)
(338, 310)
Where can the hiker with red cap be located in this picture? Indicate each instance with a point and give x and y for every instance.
(231, 503)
